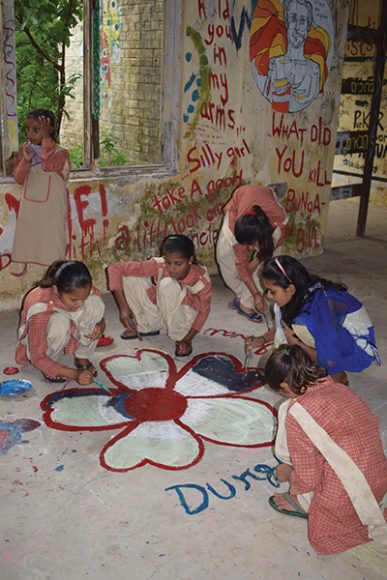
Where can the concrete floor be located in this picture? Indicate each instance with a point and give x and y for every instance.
(63, 516)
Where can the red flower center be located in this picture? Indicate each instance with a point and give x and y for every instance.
(156, 405)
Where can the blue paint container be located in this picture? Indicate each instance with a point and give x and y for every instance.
(14, 387)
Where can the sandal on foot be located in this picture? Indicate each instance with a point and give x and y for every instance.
(298, 512)
(130, 333)
(252, 316)
(55, 381)
(151, 333)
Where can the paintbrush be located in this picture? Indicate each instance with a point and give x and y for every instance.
(102, 385)
(266, 320)
(248, 355)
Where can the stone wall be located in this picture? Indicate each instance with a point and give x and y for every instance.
(131, 56)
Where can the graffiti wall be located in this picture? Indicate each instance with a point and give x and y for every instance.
(259, 102)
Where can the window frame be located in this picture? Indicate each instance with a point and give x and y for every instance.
(169, 103)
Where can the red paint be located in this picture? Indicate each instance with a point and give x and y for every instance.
(12, 203)
(156, 405)
(105, 341)
(87, 225)
(296, 201)
(152, 404)
(35, 469)
(10, 370)
(231, 334)
(122, 241)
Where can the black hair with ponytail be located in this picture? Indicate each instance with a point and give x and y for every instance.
(67, 276)
(254, 227)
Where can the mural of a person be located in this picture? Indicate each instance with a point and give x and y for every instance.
(288, 53)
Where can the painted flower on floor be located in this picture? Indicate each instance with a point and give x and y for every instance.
(164, 415)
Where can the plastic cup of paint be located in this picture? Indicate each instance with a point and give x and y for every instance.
(14, 387)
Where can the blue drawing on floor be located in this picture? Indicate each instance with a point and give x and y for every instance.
(11, 433)
(59, 468)
(222, 370)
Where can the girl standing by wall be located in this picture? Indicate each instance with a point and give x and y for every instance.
(43, 168)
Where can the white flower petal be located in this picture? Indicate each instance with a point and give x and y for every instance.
(85, 411)
(232, 420)
(150, 370)
(191, 384)
(162, 442)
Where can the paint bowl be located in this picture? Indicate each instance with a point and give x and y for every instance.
(10, 370)
(14, 387)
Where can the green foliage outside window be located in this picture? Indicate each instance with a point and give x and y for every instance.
(43, 32)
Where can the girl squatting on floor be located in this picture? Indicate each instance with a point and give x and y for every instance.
(253, 221)
(173, 289)
(332, 453)
(330, 324)
(62, 315)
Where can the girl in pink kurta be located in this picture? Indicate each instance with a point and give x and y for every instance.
(253, 221)
(62, 315)
(174, 289)
(43, 168)
(333, 455)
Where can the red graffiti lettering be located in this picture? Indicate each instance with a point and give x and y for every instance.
(205, 238)
(281, 129)
(219, 116)
(204, 156)
(218, 31)
(294, 202)
(219, 82)
(320, 134)
(288, 164)
(235, 153)
(307, 237)
(169, 199)
(122, 241)
(87, 225)
(318, 176)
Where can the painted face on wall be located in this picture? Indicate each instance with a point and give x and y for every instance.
(297, 24)
(177, 265)
(74, 300)
(281, 296)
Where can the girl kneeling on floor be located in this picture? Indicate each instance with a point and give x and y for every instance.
(173, 288)
(62, 315)
(332, 453)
